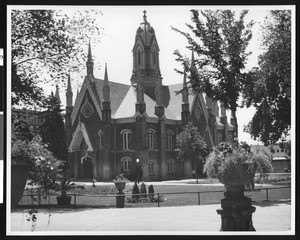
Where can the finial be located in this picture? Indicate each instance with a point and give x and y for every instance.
(145, 17)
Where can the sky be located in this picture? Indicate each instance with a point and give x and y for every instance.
(120, 24)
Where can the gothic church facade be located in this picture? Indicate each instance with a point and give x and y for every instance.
(111, 125)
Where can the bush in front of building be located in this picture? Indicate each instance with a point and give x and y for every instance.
(135, 191)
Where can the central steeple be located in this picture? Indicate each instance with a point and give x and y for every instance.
(146, 57)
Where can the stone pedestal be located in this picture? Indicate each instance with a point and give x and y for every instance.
(236, 211)
(120, 199)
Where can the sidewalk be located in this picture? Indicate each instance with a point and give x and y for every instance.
(269, 218)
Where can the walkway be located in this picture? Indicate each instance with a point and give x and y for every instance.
(269, 218)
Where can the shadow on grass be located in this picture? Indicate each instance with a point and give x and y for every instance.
(272, 203)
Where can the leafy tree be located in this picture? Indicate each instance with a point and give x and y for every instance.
(46, 45)
(46, 170)
(190, 145)
(269, 86)
(220, 42)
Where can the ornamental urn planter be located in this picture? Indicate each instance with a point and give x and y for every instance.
(64, 200)
(19, 174)
(120, 196)
(236, 209)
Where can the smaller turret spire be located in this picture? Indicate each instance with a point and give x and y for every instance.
(106, 89)
(185, 98)
(69, 93)
(90, 63)
(57, 94)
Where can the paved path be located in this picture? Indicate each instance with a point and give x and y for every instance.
(269, 218)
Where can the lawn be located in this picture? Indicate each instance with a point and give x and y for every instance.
(174, 194)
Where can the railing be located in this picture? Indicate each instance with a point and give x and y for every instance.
(173, 198)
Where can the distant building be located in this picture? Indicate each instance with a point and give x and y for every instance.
(110, 125)
(280, 160)
(35, 119)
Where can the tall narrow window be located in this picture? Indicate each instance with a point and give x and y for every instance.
(151, 133)
(170, 166)
(154, 58)
(126, 164)
(126, 135)
(139, 57)
(151, 166)
(100, 134)
(170, 140)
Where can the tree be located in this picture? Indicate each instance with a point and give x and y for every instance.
(190, 145)
(269, 86)
(54, 136)
(220, 42)
(46, 45)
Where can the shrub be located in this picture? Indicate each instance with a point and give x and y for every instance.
(135, 191)
(143, 190)
(151, 192)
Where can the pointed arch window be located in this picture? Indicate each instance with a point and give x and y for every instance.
(151, 134)
(170, 140)
(100, 134)
(126, 137)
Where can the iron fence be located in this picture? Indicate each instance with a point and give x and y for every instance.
(158, 199)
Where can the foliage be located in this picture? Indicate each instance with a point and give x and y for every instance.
(120, 178)
(135, 191)
(190, 144)
(269, 87)
(220, 42)
(46, 45)
(228, 160)
(151, 191)
(143, 190)
(54, 135)
(46, 168)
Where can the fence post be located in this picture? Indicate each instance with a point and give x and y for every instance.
(198, 198)
(75, 199)
(267, 191)
(39, 196)
(158, 199)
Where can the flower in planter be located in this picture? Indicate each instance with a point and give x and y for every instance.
(120, 178)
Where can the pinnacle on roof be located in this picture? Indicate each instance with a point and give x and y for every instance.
(57, 94)
(69, 87)
(90, 52)
(106, 90)
(185, 98)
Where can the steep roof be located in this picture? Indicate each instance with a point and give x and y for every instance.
(118, 92)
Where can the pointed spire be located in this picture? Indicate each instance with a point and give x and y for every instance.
(106, 89)
(89, 63)
(90, 52)
(69, 93)
(185, 98)
(57, 94)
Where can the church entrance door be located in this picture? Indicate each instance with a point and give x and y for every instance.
(88, 168)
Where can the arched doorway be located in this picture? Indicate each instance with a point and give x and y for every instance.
(88, 167)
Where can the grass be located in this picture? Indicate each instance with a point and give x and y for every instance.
(183, 194)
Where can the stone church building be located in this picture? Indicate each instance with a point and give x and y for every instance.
(111, 125)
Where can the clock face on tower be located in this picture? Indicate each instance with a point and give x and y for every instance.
(87, 109)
